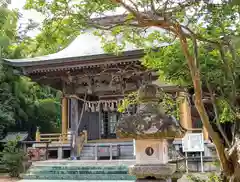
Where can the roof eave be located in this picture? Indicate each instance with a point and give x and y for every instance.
(13, 62)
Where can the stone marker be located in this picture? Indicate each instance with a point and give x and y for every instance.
(153, 131)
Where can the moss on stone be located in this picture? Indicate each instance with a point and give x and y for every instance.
(158, 135)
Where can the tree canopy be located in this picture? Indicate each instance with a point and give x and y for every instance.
(24, 105)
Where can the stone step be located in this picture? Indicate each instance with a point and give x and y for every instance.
(79, 172)
(74, 167)
(72, 171)
(33, 170)
(80, 177)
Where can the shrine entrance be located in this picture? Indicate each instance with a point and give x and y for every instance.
(100, 125)
(99, 118)
(108, 124)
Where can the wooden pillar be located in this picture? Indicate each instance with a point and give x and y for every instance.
(74, 124)
(205, 134)
(100, 119)
(74, 115)
(64, 117)
(185, 111)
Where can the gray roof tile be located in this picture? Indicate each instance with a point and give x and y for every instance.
(85, 45)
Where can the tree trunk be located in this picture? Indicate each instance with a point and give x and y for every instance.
(234, 154)
(227, 165)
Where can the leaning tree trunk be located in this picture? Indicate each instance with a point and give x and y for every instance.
(234, 154)
(229, 163)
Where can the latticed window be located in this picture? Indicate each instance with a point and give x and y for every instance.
(104, 123)
(108, 123)
(112, 122)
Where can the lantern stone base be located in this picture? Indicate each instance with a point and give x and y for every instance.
(160, 172)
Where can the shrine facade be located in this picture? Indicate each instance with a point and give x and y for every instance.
(94, 83)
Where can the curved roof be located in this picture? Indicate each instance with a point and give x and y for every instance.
(86, 46)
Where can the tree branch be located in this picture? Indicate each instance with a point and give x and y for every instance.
(135, 13)
(135, 5)
(124, 23)
(234, 59)
(198, 36)
(213, 99)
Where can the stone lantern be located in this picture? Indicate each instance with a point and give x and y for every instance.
(153, 131)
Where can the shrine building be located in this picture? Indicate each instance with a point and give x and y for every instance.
(93, 83)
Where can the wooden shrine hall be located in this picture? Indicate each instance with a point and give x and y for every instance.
(93, 83)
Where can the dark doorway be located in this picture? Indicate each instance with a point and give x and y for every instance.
(108, 124)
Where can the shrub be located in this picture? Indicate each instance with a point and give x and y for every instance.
(211, 178)
(12, 158)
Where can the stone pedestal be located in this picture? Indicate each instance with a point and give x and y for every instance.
(150, 126)
(151, 151)
(152, 161)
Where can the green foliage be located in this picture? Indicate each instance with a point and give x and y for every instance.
(130, 99)
(168, 103)
(226, 113)
(171, 64)
(24, 105)
(12, 158)
(171, 106)
(172, 68)
(211, 178)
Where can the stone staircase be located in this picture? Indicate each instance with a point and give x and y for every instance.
(77, 170)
